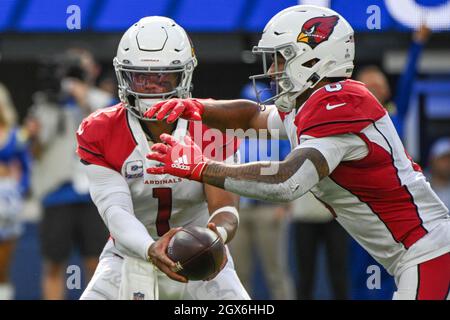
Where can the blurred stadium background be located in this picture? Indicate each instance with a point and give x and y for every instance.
(223, 33)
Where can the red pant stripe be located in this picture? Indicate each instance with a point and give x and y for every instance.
(433, 280)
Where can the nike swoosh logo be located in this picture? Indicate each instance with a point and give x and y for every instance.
(334, 106)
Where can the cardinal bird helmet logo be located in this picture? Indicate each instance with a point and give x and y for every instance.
(317, 30)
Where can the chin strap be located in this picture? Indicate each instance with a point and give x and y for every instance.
(144, 104)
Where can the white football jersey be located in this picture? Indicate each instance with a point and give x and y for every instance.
(382, 199)
(113, 138)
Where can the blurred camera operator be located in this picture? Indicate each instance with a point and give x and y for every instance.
(67, 94)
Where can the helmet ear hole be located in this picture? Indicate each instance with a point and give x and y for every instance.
(310, 63)
(314, 78)
(131, 100)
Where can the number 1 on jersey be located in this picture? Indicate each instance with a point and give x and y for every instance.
(164, 196)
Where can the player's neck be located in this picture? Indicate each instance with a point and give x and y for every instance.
(305, 96)
(155, 128)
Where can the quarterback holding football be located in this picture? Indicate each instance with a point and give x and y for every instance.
(155, 60)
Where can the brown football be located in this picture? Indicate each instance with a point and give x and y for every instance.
(198, 252)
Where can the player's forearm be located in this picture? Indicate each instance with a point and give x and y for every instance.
(229, 114)
(111, 195)
(228, 221)
(247, 181)
(128, 231)
(273, 181)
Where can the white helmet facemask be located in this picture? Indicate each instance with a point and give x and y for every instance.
(155, 62)
(280, 83)
(136, 83)
(314, 43)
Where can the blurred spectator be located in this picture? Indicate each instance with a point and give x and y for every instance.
(439, 176)
(69, 217)
(14, 183)
(314, 227)
(377, 83)
(263, 225)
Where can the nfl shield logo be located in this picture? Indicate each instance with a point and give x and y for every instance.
(138, 296)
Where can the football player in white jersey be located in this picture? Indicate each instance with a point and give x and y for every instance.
(155, 61)
(345, 150)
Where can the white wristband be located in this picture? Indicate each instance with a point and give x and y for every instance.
(229, 209)
(223, 233)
